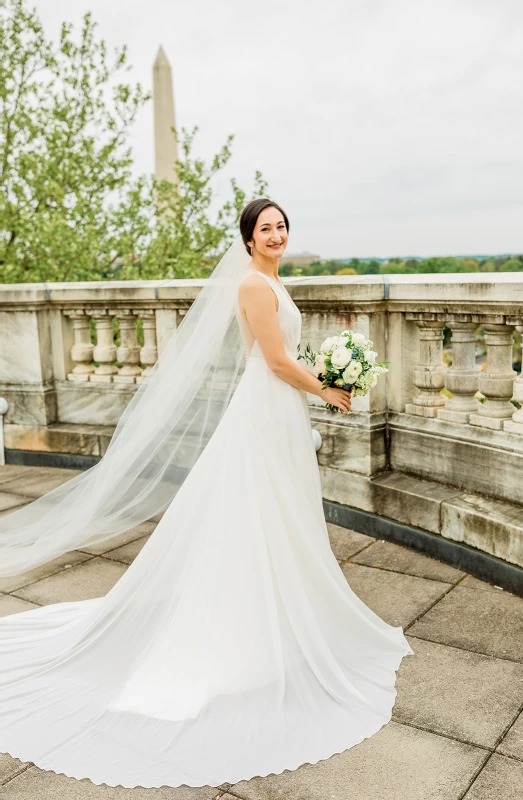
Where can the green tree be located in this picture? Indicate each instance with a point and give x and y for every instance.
(393, 266)
(165, 231)
(470, 264)
(371, 267)
(440, 264)
(487, 265)
(64, 118)
(69, 206)
(513, 264)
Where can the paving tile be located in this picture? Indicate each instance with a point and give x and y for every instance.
(35, 784)
(11, 472)
(501, 779)
(37, 484)
(345, 542)
(467, 696)
(13, 605)
(56, 565)
(9, 767)
(9, 501)
(470, 582)
(485, 622)
(121, 539)
(398, 599)
(82, 582)
(128, 552)
(512, 744)
(387, 555)
(397, 763)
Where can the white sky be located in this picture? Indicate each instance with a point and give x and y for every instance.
(383, 128)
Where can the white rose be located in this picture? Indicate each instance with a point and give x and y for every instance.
(370, 355)
(358, 340)
(329, 344)
(339, 382)
(319, 364)
(352, 372)
(340, 357)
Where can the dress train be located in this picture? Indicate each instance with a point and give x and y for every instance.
(233, 646)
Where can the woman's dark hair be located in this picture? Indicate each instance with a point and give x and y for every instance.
(249, 217)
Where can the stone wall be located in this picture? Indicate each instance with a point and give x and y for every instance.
(434, 446)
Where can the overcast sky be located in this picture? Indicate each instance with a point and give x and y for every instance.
(383, 128)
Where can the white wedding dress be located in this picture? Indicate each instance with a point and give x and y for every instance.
(233, 646)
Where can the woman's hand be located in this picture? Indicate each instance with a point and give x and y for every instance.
(341, 398)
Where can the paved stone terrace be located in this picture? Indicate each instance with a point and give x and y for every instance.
(457, 727)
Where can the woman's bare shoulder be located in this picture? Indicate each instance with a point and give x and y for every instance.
(254, 287)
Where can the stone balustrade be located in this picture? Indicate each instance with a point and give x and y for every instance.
(448, 422)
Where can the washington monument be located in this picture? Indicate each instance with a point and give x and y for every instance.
(165, 145)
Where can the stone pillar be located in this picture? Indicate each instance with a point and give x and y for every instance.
(462, 377)
(82, 349)
(429, 374)
(515, 425)
(3, 410)
(128, 354)
(496, 382)
(105, 351)
(149, 351)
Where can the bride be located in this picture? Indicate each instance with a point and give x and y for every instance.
(233, 646)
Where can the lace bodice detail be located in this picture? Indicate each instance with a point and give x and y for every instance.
(289, 317)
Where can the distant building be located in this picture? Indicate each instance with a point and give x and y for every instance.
(302, 259)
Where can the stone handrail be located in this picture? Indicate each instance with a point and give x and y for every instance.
(67, 381)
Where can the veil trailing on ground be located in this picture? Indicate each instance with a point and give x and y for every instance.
(158, 439)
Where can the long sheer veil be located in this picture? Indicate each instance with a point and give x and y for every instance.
(158, 439)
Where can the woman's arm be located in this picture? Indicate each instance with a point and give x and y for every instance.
(258, 303)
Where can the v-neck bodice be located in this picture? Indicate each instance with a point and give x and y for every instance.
(289, 318)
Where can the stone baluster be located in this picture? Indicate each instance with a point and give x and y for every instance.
(429, 374)
(496, 381)
(515, 425)
(149, 351)
(105, 350)
(461, 378)
(82, 349)
(128, 354)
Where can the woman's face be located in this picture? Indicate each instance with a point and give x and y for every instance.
(270, 233)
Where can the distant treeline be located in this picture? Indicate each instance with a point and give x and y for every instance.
(357, 266)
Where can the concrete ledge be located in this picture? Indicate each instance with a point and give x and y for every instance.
(478, 460)
(28, 458)
(59, 438)
(496, 528)
(489, 526)
(481, 565)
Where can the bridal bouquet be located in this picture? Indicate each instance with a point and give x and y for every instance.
(346, 361)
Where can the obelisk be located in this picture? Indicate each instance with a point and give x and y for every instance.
(165, 145)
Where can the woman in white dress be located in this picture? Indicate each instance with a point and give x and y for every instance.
(233, 646)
